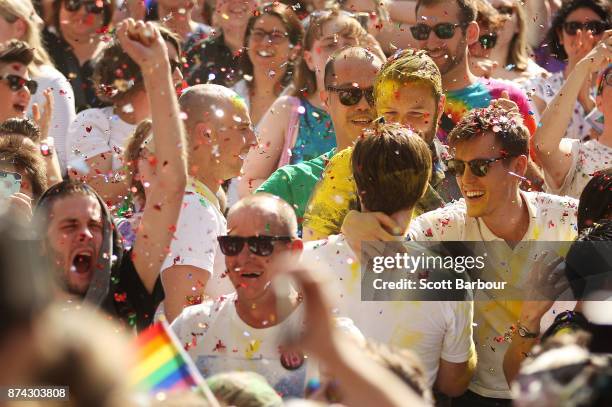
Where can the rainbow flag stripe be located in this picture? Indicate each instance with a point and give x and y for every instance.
(162, 364)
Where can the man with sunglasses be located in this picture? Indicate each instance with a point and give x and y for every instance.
(349, 100)
(568, 163)
(490, 149)
(245, 329)
(445, 29)
(16, 87)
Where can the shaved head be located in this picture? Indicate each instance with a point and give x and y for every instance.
(208, 103)
(277, 216)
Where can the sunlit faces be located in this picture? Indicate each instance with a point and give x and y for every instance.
(572, 43)
(74, 240)
(352, 73)
(9, 31)
(411, 104)
(233, 136)
(446, 53)
(269, 43)
(14, 102)
(510, 25)
(235, 13)
(249, 273)
(79, 24)
(336, 34)
(485, 196)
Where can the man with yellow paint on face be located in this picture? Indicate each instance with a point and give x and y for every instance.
(407, 90)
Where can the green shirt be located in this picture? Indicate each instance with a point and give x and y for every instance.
(294, 183)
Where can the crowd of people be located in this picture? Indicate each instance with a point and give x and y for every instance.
(228, 168)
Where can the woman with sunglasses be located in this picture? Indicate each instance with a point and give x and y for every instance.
(20, 21)
(296, 128)
(96, 138)
(576, 29)
(74, 39)
(506, 44)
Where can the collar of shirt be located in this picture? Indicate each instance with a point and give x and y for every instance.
(199, 188)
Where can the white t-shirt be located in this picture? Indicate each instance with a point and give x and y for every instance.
(94, 132)
(551, 218)
(587, 158)
(218, 341)
(431, 329)
(63, 107)
(200, 222)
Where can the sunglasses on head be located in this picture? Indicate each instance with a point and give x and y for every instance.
(91, 6)
(488, 41)
(351, 96)
(17, 83)
(595, 27)
(259, 245)
(443, 31)
(479, 166)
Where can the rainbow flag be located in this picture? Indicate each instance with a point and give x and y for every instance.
(162, 364)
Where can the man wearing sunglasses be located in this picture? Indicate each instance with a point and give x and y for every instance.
(349, 100)
(490, 149)
(16, 87)
(568, 163)
(445, 29)
(245, 329)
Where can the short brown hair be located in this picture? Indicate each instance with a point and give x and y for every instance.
(506, 126)
(24, 156)
(116, 74)
(391, 167)
(132, 154)
(16, 51)
(467, 8)
(22, 127)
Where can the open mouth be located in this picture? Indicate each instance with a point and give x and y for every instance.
(361, 121)
(474, 194)
(19, 108)
(437, 53)
(238, 11)
(82, 262)
(264, 53)
(250, 275)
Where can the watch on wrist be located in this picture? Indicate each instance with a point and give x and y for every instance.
(526, 333)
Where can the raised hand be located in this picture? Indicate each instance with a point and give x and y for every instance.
(601, 54)
(43, 118)
(143, 43)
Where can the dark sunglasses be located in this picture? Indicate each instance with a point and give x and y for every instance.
(259, 245)
(95, 7)
(595, 27)
(17, 83)
(443, 31)
(488, 41)
(351, 96)
(479, 167)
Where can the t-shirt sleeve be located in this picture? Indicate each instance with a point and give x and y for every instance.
(332, 197)
(278, 184)
(458, 345)
(195, 241)
(564, 189)
(446, 224)
(88, 136)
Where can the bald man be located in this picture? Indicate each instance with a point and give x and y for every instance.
(241, 331)
(219, 134)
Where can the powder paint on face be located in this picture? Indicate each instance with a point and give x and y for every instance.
(238, 102)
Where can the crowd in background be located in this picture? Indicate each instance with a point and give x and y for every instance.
(219, 165)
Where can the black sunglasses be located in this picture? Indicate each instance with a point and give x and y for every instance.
(443, 31)
(17, 83)
(479, 167)
(259, 245)
(95, 7)
(595, 27)
(351, 96)
(488, 41)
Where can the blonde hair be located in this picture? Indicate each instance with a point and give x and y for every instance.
(13, 10)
